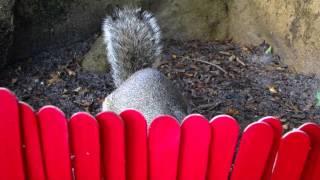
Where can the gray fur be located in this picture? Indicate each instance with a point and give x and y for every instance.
(133, 41)
(151, 93)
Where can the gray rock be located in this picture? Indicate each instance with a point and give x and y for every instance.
(151, 93)
(192, 19)
(6, 29)
(96, 60)
(291, 27)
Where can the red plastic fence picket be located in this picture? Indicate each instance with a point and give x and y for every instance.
(291, 157)
(275, 123)
(85, 143)
(55, 143)
(31, 137)
(312, 168)
(164, 140)
(194, 148)
(11, 161)
(224, 136)
(113, 146)
(255, 146)
(136, 145)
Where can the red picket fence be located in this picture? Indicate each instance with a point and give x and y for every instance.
(44, 145)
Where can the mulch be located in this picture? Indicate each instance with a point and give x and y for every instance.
(243, 81)
(219, 77)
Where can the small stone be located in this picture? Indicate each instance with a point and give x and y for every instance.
(96, 60)
(174, 56)
(232, 58)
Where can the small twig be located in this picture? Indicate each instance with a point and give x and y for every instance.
(215, 65)
(239, 61)
(224, 53)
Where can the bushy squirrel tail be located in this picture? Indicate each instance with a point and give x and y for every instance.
(133, 41)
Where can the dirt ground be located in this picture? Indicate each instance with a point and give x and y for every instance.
(217, 77)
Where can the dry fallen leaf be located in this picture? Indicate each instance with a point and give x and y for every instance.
(77, 89)
(70, 72)
(272, 89)
(232, 111)
(54, 78)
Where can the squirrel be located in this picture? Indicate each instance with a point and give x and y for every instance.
(133, 40)
(133, 43)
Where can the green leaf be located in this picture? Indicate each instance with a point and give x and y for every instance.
(318, 98)
(269, 50)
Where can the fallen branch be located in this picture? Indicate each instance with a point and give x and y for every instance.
(212, 64)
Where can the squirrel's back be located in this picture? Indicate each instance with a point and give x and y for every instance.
(150, 92)
(133, 41)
